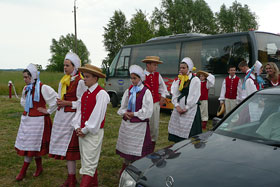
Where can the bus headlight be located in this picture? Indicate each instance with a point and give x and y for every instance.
(126, 180)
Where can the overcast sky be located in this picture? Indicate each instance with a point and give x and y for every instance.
(28, 26)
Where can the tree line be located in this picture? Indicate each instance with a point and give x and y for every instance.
(173, 17)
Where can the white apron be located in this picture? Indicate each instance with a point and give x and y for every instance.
(61, 132)
(131, 137)
(180, 125)
(30, 133)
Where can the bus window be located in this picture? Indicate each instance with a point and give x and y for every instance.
(268, 48)
(215, 55)
(123, 63)
(168, 53)
(113, 65)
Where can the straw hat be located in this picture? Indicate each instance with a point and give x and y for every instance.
(152, 59)
(88, 68)
(203, 73)
(221, 110)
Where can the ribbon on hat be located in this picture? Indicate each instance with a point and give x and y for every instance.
(183, 79)
(260, 82)
(28, 99)
(132, 98)
(65, 81)
(246, 77)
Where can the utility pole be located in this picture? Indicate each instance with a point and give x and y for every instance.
(76, 47)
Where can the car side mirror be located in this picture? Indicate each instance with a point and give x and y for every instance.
(215, 121)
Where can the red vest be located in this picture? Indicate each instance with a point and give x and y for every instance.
(87, 105)
(71, 94)
(204, 91)
(153, 81)
(231, 87)
(42, 103)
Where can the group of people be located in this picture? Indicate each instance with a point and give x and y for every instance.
(77, 130)
(81, 104)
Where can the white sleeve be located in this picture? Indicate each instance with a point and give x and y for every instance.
(147, 106)
(23, 99)
(175, 92)
(194, 93)
(162, 87)
(81, 88)
(124, 103)
(76, 121)
(250, 87)
(223, 91)
(210, 81)
(50, 97)
(97, 116)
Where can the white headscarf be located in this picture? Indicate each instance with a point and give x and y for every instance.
(74, 58)
(258, 66)
(33, 71)
(189, 62)
(138, 71)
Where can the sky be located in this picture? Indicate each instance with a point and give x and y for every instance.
(28, 26)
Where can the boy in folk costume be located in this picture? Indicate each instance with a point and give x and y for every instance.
(249, 82)
(158, 90)
(207, 81)
(134, 140)
(89, 122)
(185, 120)
(35, 126)
(231, 90)
(64, 143)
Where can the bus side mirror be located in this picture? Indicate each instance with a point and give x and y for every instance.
(107, 73)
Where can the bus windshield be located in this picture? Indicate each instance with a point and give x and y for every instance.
(268, 48)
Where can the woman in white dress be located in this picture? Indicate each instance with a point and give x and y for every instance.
(185, 120)
(64, 143)
(35, 126)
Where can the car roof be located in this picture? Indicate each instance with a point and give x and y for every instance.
(274, 90)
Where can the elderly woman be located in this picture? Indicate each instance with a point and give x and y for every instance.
(272, 76)
(134, 140)
(64, 143)
(185, 120)
(34, 132)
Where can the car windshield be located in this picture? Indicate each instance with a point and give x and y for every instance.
(258, 119)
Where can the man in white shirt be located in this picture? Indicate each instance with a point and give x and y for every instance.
(89, 122)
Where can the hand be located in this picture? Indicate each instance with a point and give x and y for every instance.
(162, 101)
(62, 103)
(184, 111)
(179, 110)
(79, 132)
(130, 114)
(43, 110)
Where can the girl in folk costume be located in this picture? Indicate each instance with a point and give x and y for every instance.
(207, 81)
(258, 69)
(89, 122)
(64, 143)
(273, 75)
(134, 140)
(35, 126)
(231, 90)
(185, 120)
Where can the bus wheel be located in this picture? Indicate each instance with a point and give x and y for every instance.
(114, 100)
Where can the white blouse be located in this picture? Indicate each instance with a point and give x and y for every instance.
(49, 96)
(147, 105)
(194, 92)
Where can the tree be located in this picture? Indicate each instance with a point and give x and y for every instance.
(115, 36)
(237, 18)
(140, 29)
(60, 48)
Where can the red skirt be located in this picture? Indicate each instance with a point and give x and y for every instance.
(148, 147)
(73, 152)
(45, 141)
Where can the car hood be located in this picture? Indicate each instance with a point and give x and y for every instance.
(210, 159)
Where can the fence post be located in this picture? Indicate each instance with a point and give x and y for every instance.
(10, 89)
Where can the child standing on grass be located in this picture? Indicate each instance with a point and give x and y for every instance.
(207, 81)
(35, 126)
(134, 140)
(64, 143)
(89, 122)
(185, 120)
(231, 90)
